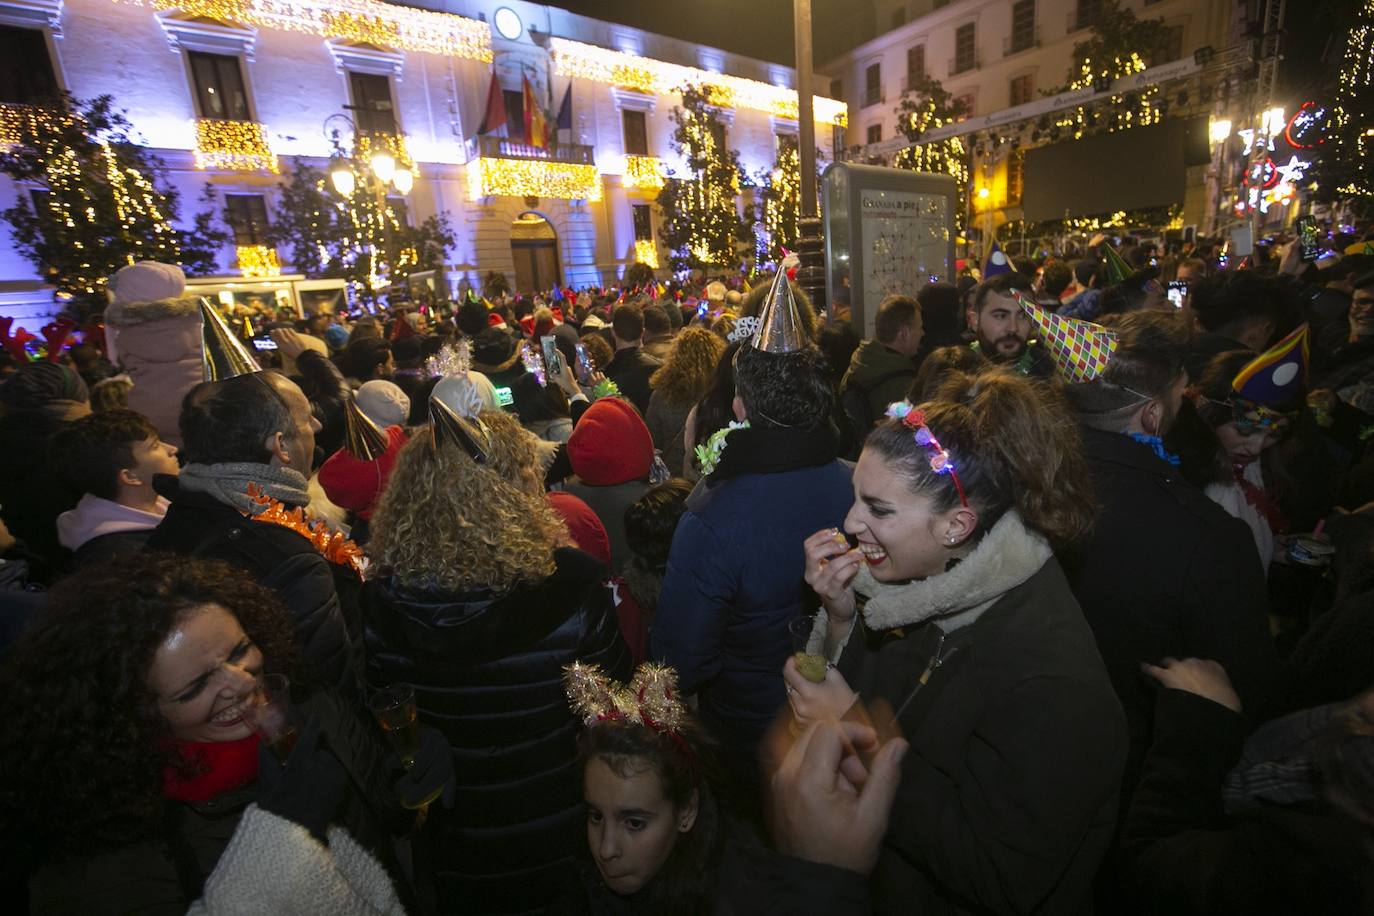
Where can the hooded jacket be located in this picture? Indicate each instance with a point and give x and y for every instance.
(159, 345)
(881, 372)
(1008, 796)
(102, 527)
(487, 669)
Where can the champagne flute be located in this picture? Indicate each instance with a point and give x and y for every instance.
(269, 713)
(394, 709)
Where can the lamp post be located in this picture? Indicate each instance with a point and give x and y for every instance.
(810, 241)
(378, 173)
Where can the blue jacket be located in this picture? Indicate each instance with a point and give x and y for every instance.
(734, 582)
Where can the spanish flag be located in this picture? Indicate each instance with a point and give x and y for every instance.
(536, 127)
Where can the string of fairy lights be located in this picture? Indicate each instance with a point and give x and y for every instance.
(705, 203)
(782, 202)
(646, 252)
(647, 173)
(238, 146)
(258, 261)
(1120, 116)
(1352, 94)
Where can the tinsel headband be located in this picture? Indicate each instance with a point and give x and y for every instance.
(650, 699)
(940, 461)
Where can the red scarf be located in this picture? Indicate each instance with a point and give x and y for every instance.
(215, 767)
(1261, 501)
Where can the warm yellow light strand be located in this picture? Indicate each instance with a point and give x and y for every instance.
(239, 146)
(533, 178)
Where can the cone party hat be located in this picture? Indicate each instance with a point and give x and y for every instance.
(780, 328)
(1118, 271)
(997, 262)
(223, 355)
(447, 425)
(1277, 375)
(363, 438)
(1080, 349)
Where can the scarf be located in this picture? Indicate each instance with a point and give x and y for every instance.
(210, 768)
(1256, 497)
(228, 482)
(757, 450)
(1006, 557)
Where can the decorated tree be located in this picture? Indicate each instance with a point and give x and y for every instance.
(781, 192)
(1344, 170)
(102, 201)
(925, 106)
(638, 274)
(1119, 44)
(359, 238)
(701, 224)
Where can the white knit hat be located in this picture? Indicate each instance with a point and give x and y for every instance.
(148, 281)
(384, 403)
(467, 395)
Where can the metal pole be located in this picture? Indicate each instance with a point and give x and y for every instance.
(810, 242)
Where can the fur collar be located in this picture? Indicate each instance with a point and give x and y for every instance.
(123, 314)
(1007, 556)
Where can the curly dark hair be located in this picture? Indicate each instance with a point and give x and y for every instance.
(84, 747)
(784, 389)
(650, 523)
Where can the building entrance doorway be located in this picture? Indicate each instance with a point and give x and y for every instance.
(534, 248)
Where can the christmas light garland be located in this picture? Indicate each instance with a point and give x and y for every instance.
(368, 143)
(367, 21)
(646, 172)
(239, 146)
(646, 252)
(257, 261)
(644, 74)
(533, 178)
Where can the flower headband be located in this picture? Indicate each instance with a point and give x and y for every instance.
(940, 461)
(650, 699)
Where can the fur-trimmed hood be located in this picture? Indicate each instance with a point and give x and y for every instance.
(125, 314)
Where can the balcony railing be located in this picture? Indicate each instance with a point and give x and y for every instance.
(235, 146)
(964, 63)
(13, 120)
(1020, 41)
(501, 148)
(645, 172)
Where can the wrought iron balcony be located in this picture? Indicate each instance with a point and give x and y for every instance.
(501, 148)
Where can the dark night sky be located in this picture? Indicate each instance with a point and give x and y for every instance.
(757, 28)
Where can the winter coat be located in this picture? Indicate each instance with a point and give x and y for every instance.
(319, 594)
(324, 386)
(609, 504)
(356, 485)
(31, 495)
(1188, 857)
(164, 874)
(630, 369)
(883, 374)
(1166, 572)
(159, 345)
(734, 582)
(667, 422)
(658, 346)
(1008, 796)
(488, 672)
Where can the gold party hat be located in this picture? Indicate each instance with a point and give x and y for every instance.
(223, 355)
(364, 439)
(780, 329)
(447, 425)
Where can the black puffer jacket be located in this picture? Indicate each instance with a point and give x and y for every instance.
(319, 594)
(487, 671)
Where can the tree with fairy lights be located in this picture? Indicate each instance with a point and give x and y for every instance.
(781, 192)
(1119, 44)
(101, 201)
(701, 224)
(360, 237)
(1344, 170)
(925, 106)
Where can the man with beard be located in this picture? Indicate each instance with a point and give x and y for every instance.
(1164, 572)
(1000, 329)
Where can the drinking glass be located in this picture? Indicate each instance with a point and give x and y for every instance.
(394, 709)
(269, 713)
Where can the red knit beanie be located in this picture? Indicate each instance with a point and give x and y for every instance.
(611, 444)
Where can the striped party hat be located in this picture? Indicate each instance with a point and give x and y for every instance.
(1080, 349)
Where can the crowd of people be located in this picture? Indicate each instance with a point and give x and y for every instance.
(1052, 593)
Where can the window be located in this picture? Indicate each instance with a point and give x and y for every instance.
(246, 215)
(965, 49)
(219, 86)
(1086, 13)
(1022, 25)
(969, 101)
(515, 113)
(26, 74)
(1016, 177)
(636, 133)
(718, 132)
(644, 222)
(875, 133)
(1171, 47)
(1022, 89)
(899, 17)
(915, 65)
(837, 89)
(372, 107)
(39, 198)
(873, 84)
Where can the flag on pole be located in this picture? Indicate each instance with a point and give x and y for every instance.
(495, 118)
(564, 120)
(536, 127)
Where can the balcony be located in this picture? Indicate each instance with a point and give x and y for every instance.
(1022, 40)
(963, 63)
(234, 146)
(258, 261)
(647, 173)
(503, 168)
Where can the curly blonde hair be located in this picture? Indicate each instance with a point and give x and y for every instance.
(446, 521)
(689, 368)
(518, 455)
